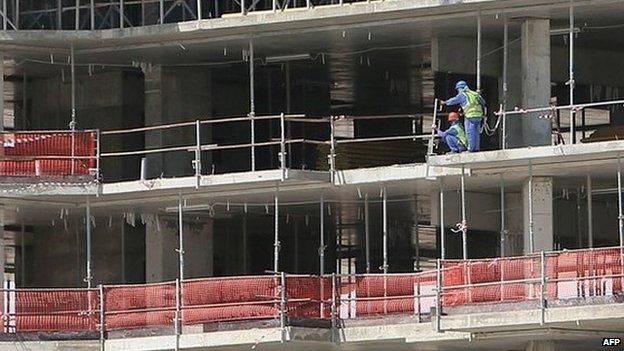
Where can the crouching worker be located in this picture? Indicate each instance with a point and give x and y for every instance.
(455, 136)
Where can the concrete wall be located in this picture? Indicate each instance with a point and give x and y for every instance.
(105, 100)
(162, 241)
(63, 252)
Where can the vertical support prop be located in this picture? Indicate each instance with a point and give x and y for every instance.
(23, 254)
(531, 224)
(442, 229)
(505, 72)
(92, 13)
(332, 150)
(385, 247)
(177, 317)
(464, 228)
(123, 251)
(503, 230)
(77, 15)
(276, 242)
(121, 13)
(282, 157)
(321, 252)
(199, 10)
(181, 240)
(102, 318)
(197, 163)
(334, 308)
(367, 232)
(590, 216)
(162, 11)
(88, 225)
(479, 52)
(620, 216)
(252, 102)
(438, 295)
(72, 124)
(543, 288)
(283, 306)
(571, 81)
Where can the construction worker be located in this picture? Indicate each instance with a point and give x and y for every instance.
(455, 136)
(473, 105)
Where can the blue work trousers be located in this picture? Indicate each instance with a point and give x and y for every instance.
(472, 126)
(453, 143)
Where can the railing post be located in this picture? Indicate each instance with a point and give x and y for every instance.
(176, 318)
(197, 162)
(282, 292)
(121, 13)
(438, 295)
(333, 308)
(282, 155)
(102, 318)
(199, 10)
(242, 3)
(332, 151)
(417, 293)
(435, 120)
(98, 146)
(162, 11)
(543, 288)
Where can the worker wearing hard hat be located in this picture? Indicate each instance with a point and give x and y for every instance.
(455, 136)
(473, 105)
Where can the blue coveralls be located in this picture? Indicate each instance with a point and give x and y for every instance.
(472, 125)
(450, 138)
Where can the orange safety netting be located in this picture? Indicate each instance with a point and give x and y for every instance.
(228, 299)
(308, 296)
(33, 153)
(135, 306)
(387, 294)
(55, 310)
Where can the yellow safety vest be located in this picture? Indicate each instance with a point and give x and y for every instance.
(472, 107)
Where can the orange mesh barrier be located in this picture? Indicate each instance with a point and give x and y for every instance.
(33, 153)
(136, 306)
(366, 295)
(229, 299)
(53, 310)
(307, 296)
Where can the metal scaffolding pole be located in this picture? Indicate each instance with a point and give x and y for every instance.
(442, 231)
(503, 231)
(77, 16)
(276, 242)
(322, 237)
(571, 73)
(199, 10)
(92, 13)
(464, 228)
(252, 105)
(23, 255)
(123, 251)
(590, 224)
(72, 124)
(88, 224)
(505, 59)
(181, 240)
(479, 52)
(385, 230)
(531, 231)
(367, 231)
(620, 214)
(121, 13)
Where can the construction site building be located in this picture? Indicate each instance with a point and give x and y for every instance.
(263, 174)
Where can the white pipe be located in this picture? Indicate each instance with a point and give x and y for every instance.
(367, 231)
(590, 217)
(571, 73)
(276, 242)
(479, 52)
(181, 240)
(252, 104)
(505, 69)
(123, 251)
(442, 231)
(620, 214)
(531, 231)
(322, 237)
(88, 224)
(503, 231)
(385, 230)
(464, 229)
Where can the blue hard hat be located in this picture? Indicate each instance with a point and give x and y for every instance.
(461, 85)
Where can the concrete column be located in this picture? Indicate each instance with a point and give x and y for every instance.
(540, 345)
(542, 214)
(161, 241)
(175, 95)
(535, 65)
